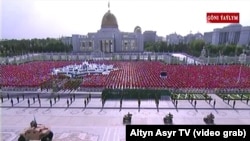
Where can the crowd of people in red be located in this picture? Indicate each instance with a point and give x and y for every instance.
(134, 74)
(31, 74)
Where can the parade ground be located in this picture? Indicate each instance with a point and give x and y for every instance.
(94, 123)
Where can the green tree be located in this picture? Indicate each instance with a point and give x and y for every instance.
(18, 47)
(196, 47)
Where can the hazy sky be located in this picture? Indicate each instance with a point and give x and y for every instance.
(54, 18)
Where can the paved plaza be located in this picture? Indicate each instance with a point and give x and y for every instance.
(93, 123)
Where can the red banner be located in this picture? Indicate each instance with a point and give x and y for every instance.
(223, 17)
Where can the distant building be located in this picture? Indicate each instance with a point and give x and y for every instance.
(190, 37)
(174, 38)
(231, 34)
(109, 38)
(198, 36)
(160, 39)
(245, 36)
(149, 36)
(66, 40)
(208, 37)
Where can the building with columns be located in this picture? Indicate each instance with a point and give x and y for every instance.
(109, 39)
(231, 34)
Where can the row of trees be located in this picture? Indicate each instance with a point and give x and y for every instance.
(18, 47)
(194, 48)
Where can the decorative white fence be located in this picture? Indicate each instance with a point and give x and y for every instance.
(166, 57)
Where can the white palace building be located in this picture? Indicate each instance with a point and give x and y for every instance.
(109, 39)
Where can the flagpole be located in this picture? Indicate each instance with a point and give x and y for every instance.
(109, 5)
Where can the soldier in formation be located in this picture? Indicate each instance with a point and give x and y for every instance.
(139, 103)
(39, 101)
(17, 98)
(176, 103)
(1, 98)
(67, 103)
(192, 99)
(214, 103)
(210, 99)
(89, 96)
(50, 101)
(11, 100)
(85, 103)
(120, 103)
(195, 102)
(87, 99)
(71, 100)
(55, 100)
(103, 101)
(34, 99)
(234, 103)
(74, 97)
(157, 105)
(28, 102)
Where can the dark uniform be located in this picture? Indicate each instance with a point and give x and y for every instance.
(50, 101)
(17, 99)
(67, 103)
(39, 101)
(210, 100)
(103, 101)
(157, 103)
(85, 103)
(28, 102)
(121, 102)
(11, 102)
(70, 99)
(2, 98)
(234, 103)
(139, 102)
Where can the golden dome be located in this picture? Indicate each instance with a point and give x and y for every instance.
(109, 20)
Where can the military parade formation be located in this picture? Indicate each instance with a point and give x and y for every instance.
(121, 84)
